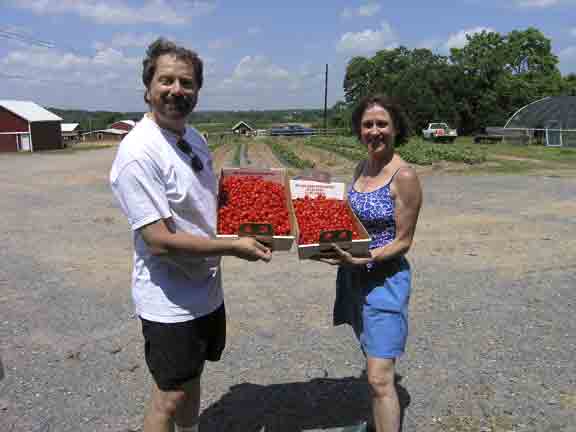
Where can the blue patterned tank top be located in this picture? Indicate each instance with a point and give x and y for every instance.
(375, 210)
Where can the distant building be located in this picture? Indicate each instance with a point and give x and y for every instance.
(242, 128)
(70, 131)
(125, 125)
(104, 135)
(26, 126)
(550, 121)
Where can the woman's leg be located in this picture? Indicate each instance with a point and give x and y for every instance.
(385, 404)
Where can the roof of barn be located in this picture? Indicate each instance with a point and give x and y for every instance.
(29, 111)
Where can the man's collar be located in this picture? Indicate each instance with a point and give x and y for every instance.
(178, 134)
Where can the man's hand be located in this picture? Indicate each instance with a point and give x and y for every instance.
(250, 249)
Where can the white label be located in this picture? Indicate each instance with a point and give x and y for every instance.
(302, 188)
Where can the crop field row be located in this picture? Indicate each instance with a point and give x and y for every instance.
(338, 155)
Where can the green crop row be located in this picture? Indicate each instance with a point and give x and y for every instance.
(348, 152)
(415, 151)
(425, 153)
(337, 141)
(237, 154)
(287, 156)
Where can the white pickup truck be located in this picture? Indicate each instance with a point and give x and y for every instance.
(439, 132)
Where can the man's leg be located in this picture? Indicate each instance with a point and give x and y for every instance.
(385, 404)
(187, 413)
(167, 408)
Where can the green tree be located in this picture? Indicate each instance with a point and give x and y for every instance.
(569, 84)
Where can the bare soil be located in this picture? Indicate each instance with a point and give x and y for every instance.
(493, 335)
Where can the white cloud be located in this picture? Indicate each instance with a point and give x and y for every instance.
(259, 68)
(108, 68)
(368, 41)
(125, 40)
(366, 10)
(567, 57)
(536, 3)
(568, 54)
(458, 40)
(254, 75)
(254, 30)
(573, 31)
(120, 12)
(430, 44)
(219, 44)
(209, 65)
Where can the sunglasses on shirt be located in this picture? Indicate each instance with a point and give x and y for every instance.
(195, 162)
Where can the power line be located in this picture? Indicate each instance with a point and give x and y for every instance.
(7, 33)
(12, 76)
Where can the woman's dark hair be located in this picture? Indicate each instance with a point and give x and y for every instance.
(396, 112)
(162, 47)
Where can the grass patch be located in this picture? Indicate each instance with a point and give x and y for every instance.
(93, 146)
(502, 167)
(535, 152)
(77, 148)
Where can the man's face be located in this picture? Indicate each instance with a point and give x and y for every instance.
(173, 92)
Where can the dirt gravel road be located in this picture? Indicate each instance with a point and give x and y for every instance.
(493, 335)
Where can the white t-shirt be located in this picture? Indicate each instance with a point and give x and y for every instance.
(152, 180)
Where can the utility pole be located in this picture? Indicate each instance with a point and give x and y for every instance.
(326, 101)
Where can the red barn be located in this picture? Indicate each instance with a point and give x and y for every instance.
(125, 125)
(26, 126)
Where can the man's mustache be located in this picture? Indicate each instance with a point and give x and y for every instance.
(183, 104)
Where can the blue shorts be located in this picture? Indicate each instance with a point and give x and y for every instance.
(375, 303)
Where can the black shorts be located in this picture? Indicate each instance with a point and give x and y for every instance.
(176, 352)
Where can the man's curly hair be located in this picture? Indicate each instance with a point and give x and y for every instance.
(162, 47)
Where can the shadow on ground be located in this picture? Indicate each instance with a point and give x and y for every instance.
(318, 404)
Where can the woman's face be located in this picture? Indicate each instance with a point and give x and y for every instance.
(377, 130)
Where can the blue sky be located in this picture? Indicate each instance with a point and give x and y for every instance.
(87, 54)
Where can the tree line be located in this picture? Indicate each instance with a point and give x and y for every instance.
(208, 120)
(479, 85)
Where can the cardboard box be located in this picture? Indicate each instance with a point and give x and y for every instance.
(333, 190)
(276, 175)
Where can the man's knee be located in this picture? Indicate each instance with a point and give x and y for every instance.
(166, 403)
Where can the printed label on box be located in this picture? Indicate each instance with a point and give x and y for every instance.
(302, 188)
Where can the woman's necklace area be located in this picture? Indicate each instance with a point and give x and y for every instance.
(371, 177)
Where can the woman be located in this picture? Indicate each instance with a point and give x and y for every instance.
(373, 292)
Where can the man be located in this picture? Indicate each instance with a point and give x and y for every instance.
(162, 177)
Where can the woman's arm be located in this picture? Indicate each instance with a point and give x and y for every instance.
(408, 200)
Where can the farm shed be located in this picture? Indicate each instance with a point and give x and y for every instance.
(551, 120)
(125, 125)
(104, 135)
(242, 128)
(70, 131)
(26, 126)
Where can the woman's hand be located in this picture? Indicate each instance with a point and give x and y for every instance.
(343, 258)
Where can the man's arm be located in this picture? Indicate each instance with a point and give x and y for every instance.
(163, 239)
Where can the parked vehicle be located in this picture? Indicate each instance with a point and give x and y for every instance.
(292, 130)
(439, 132)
